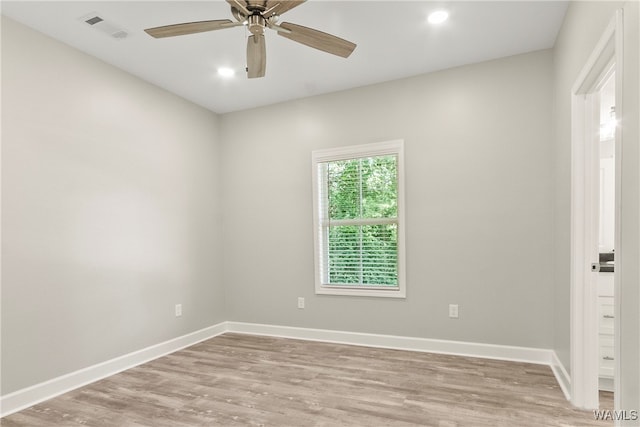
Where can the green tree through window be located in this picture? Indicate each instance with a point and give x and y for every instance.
(361, 221)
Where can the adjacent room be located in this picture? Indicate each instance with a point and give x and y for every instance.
(363, 213)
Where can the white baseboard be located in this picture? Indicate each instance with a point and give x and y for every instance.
(30, 396)
(458, 348)
(561, 375)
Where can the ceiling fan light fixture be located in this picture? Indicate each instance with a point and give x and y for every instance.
(438, 17)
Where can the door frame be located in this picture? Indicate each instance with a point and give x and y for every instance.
(607, 53)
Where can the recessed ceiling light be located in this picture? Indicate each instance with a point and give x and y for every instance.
(226, 72)
(438, 17)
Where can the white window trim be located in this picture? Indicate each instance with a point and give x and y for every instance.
(395, 147)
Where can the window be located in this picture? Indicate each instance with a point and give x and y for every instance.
(358, 220)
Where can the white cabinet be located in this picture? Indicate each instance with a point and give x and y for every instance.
(606, 321)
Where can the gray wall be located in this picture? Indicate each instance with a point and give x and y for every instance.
(584, 24)
(478, 204)
(110, 211)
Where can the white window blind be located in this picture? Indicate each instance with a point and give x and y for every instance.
(358, 220)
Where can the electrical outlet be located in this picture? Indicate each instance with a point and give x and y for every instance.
(300, 302)
(178, 310)
(453, 311)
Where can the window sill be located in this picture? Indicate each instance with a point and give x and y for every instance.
(360, 292)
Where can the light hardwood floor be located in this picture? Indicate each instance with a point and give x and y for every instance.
(244, 380)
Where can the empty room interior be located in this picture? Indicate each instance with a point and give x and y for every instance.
(320, 213)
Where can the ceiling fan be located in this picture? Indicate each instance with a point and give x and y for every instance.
(258, 15)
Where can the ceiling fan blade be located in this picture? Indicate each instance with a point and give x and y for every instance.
(241, 5)
(317, 39)
(190, 28)
(278, 7)
(256, 56)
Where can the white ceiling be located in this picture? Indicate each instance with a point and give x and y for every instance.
(393, 37)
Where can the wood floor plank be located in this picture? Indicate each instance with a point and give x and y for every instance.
(245, 380)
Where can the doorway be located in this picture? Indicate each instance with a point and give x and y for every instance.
(605, 282)
(595, 209)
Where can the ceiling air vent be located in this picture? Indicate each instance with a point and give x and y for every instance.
(97, 22)
(94, 20)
